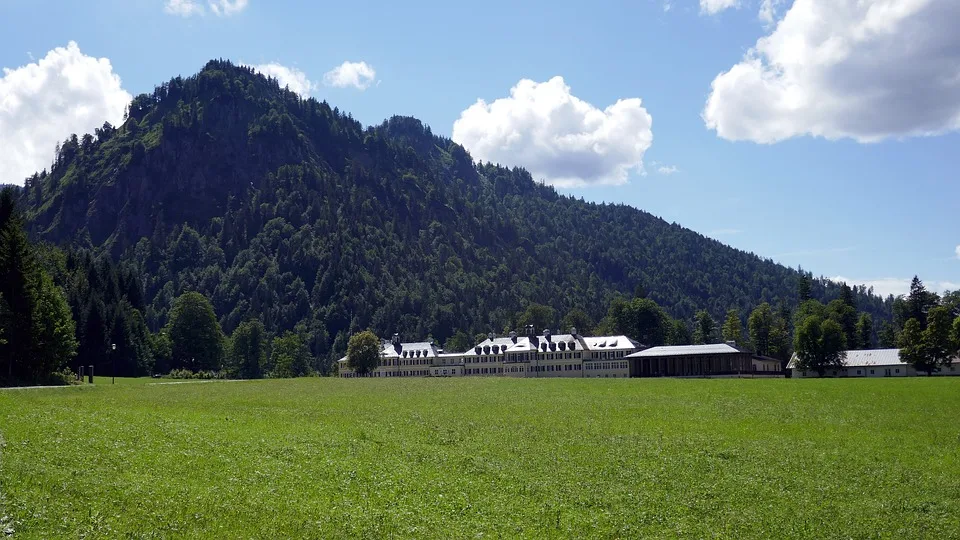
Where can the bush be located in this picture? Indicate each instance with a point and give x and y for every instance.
(199, 375)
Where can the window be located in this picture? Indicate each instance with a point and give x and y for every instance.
(859, 372)
(871, 372)
(898, 370)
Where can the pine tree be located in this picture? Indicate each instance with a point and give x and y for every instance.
(732, 329)
(703, 328)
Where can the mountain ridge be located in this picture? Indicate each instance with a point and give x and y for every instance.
(285, 208)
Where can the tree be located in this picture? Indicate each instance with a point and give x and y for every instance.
(732, 330)
(938, 340)
(846, 295)
(640, 319)
(679, 333)
(920, 301)
(760, 326)
(540, 316)
(803, 288)
(956, 336)
(887, 336)
(819, 345)
(247, 350)
(912, 346)
(703, 328)
(363, 352)
(195, 335)
(54, 331)
(577, 318)
(289, 356)
(864, 332)
(459, 342)
(846, 317)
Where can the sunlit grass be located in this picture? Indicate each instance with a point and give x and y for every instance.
(492, 457)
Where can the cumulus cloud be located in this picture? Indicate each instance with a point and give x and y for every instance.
(860, 69)
(183, 8)
(359, 75)
(292, 78)
(712, 7)
(895, 286)
(768, 10)
(42, 103)
(557, 136)
(958, 252)
(226, 8)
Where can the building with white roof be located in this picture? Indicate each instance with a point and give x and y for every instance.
(711, 360)
(870, 363)
(398, 359)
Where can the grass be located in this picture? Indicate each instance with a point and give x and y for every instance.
(485, 457)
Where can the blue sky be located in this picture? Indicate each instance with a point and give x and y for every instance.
(846, 167)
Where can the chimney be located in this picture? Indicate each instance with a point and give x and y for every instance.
(573, 331)
(491, 336)
(546, 334)
(732, 344)
(513, 337)
(396, 339)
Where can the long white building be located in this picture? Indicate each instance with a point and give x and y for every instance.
(871, 363)
(530, 355)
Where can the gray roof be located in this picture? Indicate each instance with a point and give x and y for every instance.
(610, 343)
(865, 358)
(685, 350)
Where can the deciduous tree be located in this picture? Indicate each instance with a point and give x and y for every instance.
(819, 345)
(363, 352)
(195, 335)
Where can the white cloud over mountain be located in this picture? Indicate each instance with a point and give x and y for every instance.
(359, 75)
(42, 103)
(557, 136)
(860, 69)
(293, 78)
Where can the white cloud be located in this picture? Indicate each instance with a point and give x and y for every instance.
(183, 8)
(557, 136)
(42, 103)
(768, 10)
(189, 8)
(958, 252)
(290, 77)
(860, 69)
(667, 169)
(896, 286)
(667, 6)
(359, 75)
(712, 7)
(226, 8)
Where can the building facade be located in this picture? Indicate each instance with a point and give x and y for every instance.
(530, 355)
(713, 360)
(870, 363)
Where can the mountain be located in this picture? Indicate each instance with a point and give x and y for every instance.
(284, 208)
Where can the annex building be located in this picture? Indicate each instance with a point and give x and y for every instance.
(871, 363)
(565, 355)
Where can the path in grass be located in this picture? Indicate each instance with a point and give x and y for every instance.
(497, 457)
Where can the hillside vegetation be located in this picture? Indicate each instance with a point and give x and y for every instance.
(287, 210)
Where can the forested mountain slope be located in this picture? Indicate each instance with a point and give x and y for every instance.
(286, 209)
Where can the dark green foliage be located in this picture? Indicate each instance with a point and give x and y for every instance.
(247, 351)
(928, 349)
(640, 319)
(919, 302)
(704, 328)
(732, 329)
(760, 326)
(459, 342)
(887, 335)
(289, 356)
(679, 334)
(287, 210)
(864, 332)
(819, 344)
(803, 288)
(195, 336)
(579, 319)
(37, 326)
(363, 352)
(540, 316)
(846, 317)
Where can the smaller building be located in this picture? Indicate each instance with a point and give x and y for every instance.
(870, 363)
(398, 359)
(713, 360)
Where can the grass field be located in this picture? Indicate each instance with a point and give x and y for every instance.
(484, 457)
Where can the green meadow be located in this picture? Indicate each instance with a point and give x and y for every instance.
(483, 457)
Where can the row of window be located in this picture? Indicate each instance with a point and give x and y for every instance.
(405, 362)
(606, 365)
(604, 355)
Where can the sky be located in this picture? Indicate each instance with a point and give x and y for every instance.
(817, 133)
